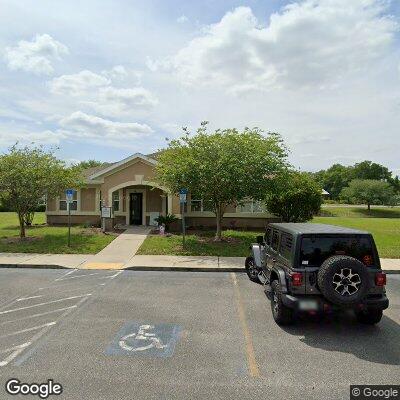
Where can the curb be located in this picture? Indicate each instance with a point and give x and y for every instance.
(186, 269)
(150, 268)
(35, 266)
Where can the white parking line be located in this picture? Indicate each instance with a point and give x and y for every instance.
(78, 276)
(38, 315)
(43, 304)
(19, 346)
(115, 275)
(46, 293)
(34, 328)
(14, 300)
(30, 297)
(15, 351)
(74, 289)
(66, 274)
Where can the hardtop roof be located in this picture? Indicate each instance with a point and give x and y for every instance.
(315, 229)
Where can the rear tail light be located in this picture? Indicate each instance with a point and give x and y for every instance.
(380, 279)
(297, 278)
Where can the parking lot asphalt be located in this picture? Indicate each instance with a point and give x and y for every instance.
(179, 335)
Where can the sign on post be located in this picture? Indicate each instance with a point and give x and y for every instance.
(183, 200)
(69, 196)
(105, 212)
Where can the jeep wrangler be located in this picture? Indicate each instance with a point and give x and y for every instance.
(318, 268)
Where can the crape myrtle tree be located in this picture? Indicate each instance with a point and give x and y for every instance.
(368, 191)
(223, 167)
(29, 173)
(297, 197)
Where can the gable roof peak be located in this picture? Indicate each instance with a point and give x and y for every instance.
(122, 162)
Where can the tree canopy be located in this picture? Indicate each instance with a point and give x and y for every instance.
(337, 177)
(223, 167)
(29, 173)
(296, 199)
(368, 191)
(89, 164)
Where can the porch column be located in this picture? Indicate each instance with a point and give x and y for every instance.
(170, 197)
(163, 204)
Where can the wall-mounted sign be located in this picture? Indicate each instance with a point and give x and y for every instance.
(105, 212)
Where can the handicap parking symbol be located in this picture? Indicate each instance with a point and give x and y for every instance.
(154, 340)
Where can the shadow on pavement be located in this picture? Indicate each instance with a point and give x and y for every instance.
(342, 333)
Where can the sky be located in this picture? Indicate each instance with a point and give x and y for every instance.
(105, 79)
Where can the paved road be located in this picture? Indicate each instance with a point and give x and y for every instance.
(208, 336)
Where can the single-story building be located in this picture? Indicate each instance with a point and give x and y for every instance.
(128, 187)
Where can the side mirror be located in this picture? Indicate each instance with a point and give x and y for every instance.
(260, 239)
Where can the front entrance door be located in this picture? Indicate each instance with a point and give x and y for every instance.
(135, 208)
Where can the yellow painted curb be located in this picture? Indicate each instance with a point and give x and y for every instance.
(99, 265)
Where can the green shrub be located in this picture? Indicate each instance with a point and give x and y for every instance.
(296, 199)
(166, 220)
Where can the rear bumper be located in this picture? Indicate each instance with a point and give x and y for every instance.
(294, 302)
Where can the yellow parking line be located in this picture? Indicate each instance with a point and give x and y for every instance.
(251, 358)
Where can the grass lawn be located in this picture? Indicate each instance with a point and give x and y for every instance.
(200, 243)
(49, 239)
(360, 212)
(386, 231)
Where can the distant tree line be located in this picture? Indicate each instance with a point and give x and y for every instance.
(365, 182)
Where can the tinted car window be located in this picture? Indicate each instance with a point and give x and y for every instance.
(315, 250)
(275, 240)
(285, 249)
(268, 236)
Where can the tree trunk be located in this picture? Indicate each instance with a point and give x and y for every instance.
(369, 208)
(218, 233)
(21, 225)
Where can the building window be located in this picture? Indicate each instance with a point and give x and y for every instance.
(115, 197)
(63, 202)
(251, 206)
(196, 205)
(201, 206)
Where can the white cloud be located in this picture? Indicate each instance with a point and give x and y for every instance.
(77, 84)
(182, 19)
(116, 72)
(115, 101)
(11, 135)
(85, 127)
(312, 43)
(96, 92)
(35, 55)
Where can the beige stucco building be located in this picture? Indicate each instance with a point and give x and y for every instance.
(128, 187)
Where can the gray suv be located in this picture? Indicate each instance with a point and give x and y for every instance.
(318, 268)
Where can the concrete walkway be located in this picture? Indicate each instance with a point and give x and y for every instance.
(43, 260)
(120, 251)
(191, 263)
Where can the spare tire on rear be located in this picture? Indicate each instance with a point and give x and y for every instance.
(343, 280)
